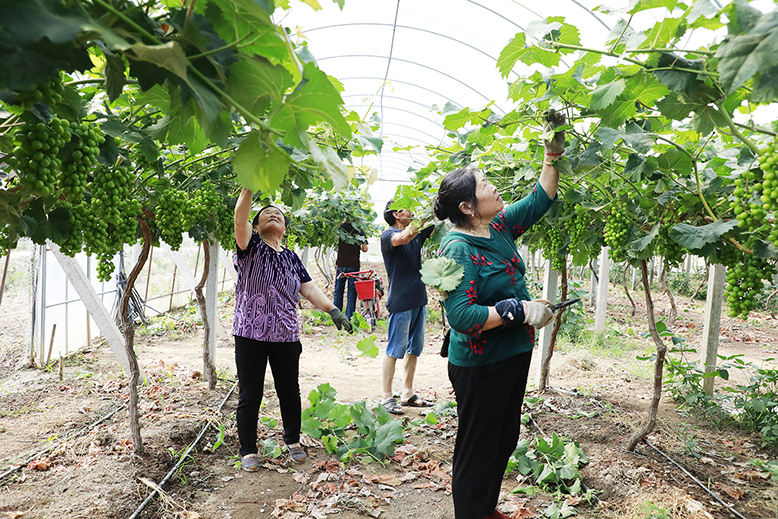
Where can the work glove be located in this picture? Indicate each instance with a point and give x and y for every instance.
(537, 314)
(340, 320)
(552, 121)
(511, 311)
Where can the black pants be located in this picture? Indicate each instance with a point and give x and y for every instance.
(251, 359)
(489, 400)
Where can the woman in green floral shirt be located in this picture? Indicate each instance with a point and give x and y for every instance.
(493, 321)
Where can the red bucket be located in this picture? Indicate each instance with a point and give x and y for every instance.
(365, 288)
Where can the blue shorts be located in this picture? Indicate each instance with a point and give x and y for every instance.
(406, 332)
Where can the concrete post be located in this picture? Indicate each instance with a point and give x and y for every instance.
(602, 291)
(550, 282)
(710, 330)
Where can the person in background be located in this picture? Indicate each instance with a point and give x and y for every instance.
(406, 303)
(493, 322)
(348, 261)
(271, 279)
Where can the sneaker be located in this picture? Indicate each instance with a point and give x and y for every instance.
(297, 453)
(250, 462)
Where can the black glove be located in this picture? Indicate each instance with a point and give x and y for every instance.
(553, 120)
(512, 312)
(340, 320)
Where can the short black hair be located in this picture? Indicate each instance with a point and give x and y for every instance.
(255, 221)
(388, 213)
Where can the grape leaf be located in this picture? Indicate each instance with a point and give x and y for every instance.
(314, 101)
(257, 84)
(260, 167)
(743, 56)
(169, 56)
(694, 238)
(367, 347)
(442, 273)
(604, 96)
(328, 161)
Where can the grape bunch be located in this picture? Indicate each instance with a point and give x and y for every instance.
(768, 157)
(578, 228)
(49, 93)
(744, 283)
(8, 239)
(208, 204)
(747, 206)
(109, 187)
(125, 229)
(553, 246)
(172, 217)
(616, 227)
(74, 241)
(35, 156)
(105, 266)
(76, 167)
(672, 253)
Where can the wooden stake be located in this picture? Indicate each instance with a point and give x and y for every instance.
(61, 365)
(51, 344)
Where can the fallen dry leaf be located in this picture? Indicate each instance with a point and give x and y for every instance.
(39, 464)
(735, 494)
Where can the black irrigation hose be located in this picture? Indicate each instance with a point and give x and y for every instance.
(50, 447)
(717, 498)
(181, 459)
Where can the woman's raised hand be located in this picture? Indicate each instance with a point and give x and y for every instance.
(552, 121)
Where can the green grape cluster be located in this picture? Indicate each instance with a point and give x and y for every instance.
(616, 227)
(172, 217)
(672, 253)
(109, 187)
(125, 229)
(578, 228)
(768, 157)
(49, 93)
(72, 178)
(206, 205)
(105, 266)
(744, 283)
(74, 241)
(225, 227)
(35, 157)
(553, 245)
(747, 206)
(95, 231)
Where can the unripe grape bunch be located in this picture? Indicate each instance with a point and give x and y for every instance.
(768, 157)
(85, 142)
(171, 217)
(616, 227)
(49, 93)
(35, 157)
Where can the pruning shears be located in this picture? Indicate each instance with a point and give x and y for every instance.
(564, 304)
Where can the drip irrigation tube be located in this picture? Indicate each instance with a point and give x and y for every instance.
(183, 457)
(717, 498)
(50, 447)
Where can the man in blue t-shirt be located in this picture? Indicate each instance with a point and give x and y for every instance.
(401, 247)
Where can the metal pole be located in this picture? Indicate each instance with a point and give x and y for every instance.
(173, 288)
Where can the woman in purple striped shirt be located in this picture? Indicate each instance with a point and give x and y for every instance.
(270, 280)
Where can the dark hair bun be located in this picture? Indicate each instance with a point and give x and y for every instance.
(440, 211)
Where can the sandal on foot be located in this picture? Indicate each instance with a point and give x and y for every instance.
(392, 406)
(297, 453)
(250, 462)
(416, 401)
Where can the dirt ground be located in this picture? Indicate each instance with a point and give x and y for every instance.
(71, 466)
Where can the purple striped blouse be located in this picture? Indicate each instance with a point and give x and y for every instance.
(267, 293)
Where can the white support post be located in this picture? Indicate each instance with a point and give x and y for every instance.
(305, 257)
(602, 292)
(211, 289)
(710, 330)
(94, 306)
(550, 281)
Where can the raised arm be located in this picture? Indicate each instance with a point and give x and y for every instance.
(549, 176)
(242, 224)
